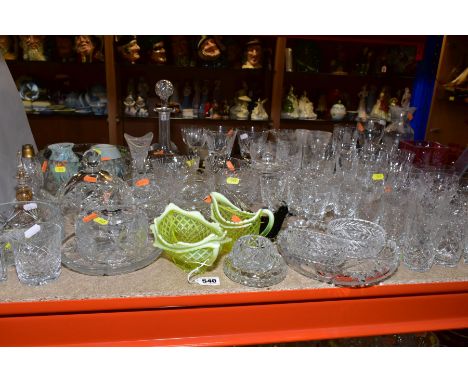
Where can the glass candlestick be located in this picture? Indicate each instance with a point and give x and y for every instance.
(164, 89)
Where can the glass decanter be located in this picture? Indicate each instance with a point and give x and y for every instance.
(164, 89)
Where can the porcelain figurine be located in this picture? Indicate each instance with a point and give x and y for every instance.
(361, 111)
(406, 99)
(7, 50)
(140, 106)
(380, 109)
(130, 107)
(306, 108)
(290, 106)
(128, 48)
(259, 113)
(33, 48)
(338, 111)
(253, 55)
(241, 109)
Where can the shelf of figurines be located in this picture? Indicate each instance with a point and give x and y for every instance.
(193, 71)
(347, 76)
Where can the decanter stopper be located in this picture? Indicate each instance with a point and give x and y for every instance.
(164, 89)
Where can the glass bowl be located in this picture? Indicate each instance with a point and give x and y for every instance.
(369, 236)
(335, 260)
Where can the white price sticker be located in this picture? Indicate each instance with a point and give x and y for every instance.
(244, 136)
(208, 281)
(30, 206)
(32, 231)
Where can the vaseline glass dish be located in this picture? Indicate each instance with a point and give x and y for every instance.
(335, 260)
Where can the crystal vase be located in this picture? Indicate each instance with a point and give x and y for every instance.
(139, 147)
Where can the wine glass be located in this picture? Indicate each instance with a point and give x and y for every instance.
(194, 138)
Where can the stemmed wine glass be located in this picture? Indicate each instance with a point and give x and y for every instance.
(194, 138)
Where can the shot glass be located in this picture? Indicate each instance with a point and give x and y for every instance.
(37, 253)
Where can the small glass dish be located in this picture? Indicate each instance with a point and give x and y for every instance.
(255, 262)
(335, 260)
(369, 236)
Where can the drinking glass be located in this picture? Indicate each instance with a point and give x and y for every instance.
(417, 254)
(147, 195)
(247, 135)
(37, 253)
(219, 142)
(194, 138)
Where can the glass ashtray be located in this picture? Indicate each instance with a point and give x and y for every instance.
(333, 260)
(255, 262)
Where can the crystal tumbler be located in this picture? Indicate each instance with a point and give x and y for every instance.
(37, 253)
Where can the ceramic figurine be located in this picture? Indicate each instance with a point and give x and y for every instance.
(406, 99)
(140, 106)
(156, 49)
(7, 50)
(64, 48)
(259, 113)
(380, 109)
(130, 107)
(290, 106)
(361, 112)
(253, 55)
(306, 108)
(87, 49)
(337, 111)
(128, 48)
(33, 48)
(187, 101)
(241, 109)
(180, 48)
(209, 52)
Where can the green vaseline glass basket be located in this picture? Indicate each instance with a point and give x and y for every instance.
(237, 222)
(188, 239)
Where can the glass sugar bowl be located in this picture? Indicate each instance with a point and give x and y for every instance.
(113, 238)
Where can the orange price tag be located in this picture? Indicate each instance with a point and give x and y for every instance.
(207, 199)
(230, 166)
(44, 166)
(90, 217)
(410, 116)
(105, 158)
(235, 219)
(142, 182)
(360, 127)
(90, 179)
(159, 152)
(387, 189)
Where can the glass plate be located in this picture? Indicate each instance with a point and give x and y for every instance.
(72, 260)
(338, 267)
